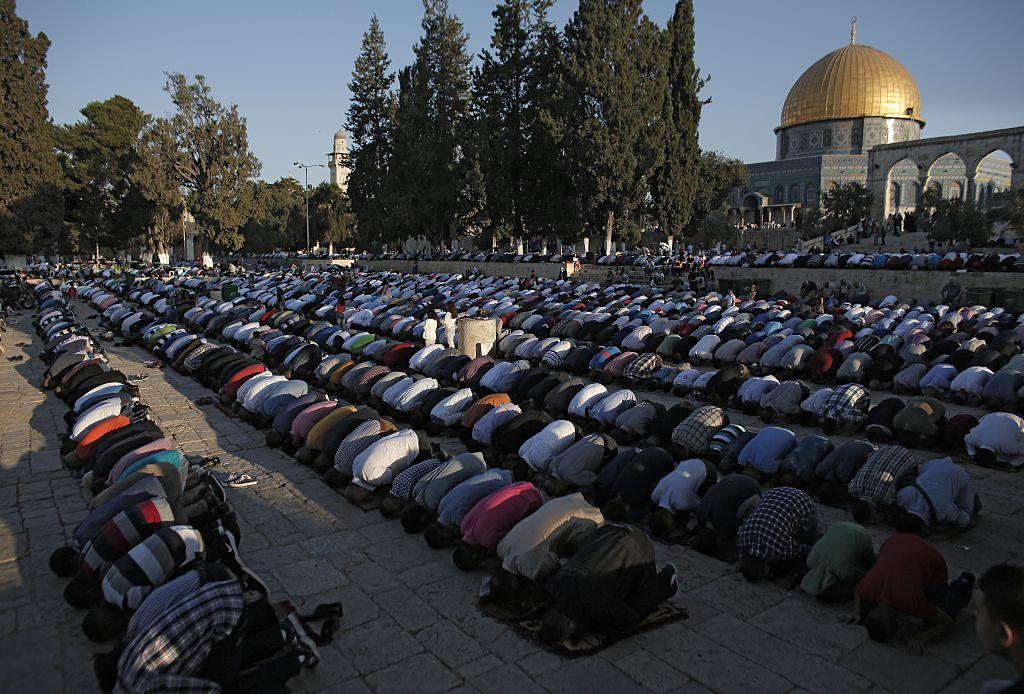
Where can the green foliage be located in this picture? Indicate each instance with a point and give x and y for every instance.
(441, 194)
(1011, 210)
(510, 89)
(718, 174)
(674, 184)
(956, 220)
(845, 205)
(370, 118)
(278, 217)
(330, 215)
(614, 101)
(206, 151)
(98, 156)
(31, 204)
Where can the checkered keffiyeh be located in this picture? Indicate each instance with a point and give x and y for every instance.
(166, 656)
(404, 483)
(355, 443)
(883, 470)
(642, 367)
(694, 433)
(771, 530)
(847, 404)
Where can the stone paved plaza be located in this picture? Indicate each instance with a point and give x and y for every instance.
(410, 620)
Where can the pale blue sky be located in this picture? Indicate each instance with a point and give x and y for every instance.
(287, 64)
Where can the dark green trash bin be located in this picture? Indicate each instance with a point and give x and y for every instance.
(979, 296)
(1010, 299)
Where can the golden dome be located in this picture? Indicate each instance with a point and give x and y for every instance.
(853, 82)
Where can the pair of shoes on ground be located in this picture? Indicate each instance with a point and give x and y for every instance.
(239, 479)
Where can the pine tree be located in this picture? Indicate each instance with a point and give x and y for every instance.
(615, 87)
(410, 161)
(31, 204)
(450, 192)
(674, 185)
(553, 204)
(369, 121)
(504, 116)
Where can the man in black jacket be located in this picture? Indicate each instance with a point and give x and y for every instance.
(610, 583)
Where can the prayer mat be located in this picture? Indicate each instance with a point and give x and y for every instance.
(525, 615)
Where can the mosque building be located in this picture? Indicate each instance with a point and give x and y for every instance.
(843, 111)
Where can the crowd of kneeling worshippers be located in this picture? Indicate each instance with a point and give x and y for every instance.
(567, 473)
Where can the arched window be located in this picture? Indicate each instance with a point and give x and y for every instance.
(811, 194)
(780, 195)
(955, 191)
(794, 193)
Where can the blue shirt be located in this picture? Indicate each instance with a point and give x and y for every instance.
(458, 502)
(767, 449)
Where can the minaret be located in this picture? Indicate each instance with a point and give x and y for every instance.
(338, 161)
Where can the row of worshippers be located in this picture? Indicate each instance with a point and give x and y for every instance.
(543, 447)
(869, 344)
(155, 558)
(916, 424)
(368, 453)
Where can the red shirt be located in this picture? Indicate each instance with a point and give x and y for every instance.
(494, 515)
(906, 566)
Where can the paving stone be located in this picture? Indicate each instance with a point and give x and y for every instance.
(450, 644)
(781, 657)
(712, 664)
(377, 644)
(649, 671)
(421, 673)
(507, 679)
(590, 675)
(885, 665)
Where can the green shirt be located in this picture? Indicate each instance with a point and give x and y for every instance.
(842, 555)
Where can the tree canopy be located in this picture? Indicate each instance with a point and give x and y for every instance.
(205, 148)
(846, 204)
(31, 204)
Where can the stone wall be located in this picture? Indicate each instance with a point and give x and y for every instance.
(549, 270)
(905, 284)
(902, 283)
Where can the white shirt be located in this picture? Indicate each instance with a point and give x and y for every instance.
(449, 411)
(588, 395)
(754, 388)
(486, 425)
(423, 357)
(542, 447)
(385, 458)
(677, 491)
(1000, 432)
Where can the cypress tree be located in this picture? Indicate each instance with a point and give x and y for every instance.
(369, 120)
(450, 191)
(31, 204)
(615, 88)
(675, 183)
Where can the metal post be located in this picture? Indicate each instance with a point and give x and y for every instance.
(306, 192)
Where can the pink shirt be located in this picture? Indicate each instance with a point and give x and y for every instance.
(494, 515)
(310, 416)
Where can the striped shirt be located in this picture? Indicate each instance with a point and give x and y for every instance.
(123, 532)
(355, 443)
(147, 565)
